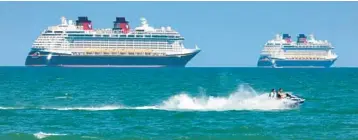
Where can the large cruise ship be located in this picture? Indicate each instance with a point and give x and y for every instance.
(79, 45)
(282, 52)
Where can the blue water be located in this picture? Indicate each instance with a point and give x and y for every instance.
(176, 103)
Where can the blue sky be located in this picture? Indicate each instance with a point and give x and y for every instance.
(229, 33)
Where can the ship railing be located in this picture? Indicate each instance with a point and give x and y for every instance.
(309, 46)
(314, 44)
(311, 57)
(129, 53)
(305, 58)
(108, 31)
(119, 50)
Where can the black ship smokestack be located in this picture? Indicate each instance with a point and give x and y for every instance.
(121, 24)
(84, 22)
(302, 38)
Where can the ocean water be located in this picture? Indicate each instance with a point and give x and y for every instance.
(176, 103)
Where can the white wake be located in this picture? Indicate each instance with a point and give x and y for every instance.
(244, 98)
(93, 108)
(10, 108)
(41, 135)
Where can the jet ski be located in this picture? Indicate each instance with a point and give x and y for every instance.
(291, 99)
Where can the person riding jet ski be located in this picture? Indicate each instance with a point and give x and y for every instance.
(282, 95)
(273, 94)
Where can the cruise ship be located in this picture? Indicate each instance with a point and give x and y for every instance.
(77, 44)
(307, 52)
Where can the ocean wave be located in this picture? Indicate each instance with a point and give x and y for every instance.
(41, 135)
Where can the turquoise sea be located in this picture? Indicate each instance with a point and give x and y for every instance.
(176, 103)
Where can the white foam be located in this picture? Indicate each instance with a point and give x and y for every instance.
(245, 98)
(63, 97)
(10, 108)
(232, 102)
(41, 135)
(87, 108)
(143, 107)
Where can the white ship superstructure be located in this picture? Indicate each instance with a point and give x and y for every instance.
(305, 52)
(77, 44)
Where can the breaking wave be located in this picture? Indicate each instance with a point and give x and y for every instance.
(41, 135)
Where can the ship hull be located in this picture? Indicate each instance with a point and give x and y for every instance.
(55, 59)
(282, 63)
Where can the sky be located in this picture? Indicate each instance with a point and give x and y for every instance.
(230, 34)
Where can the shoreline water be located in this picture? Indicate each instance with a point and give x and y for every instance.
(188, 103)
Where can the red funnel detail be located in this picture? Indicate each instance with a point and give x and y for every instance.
(87, 26)
(124, 27)
(121, 24)
(84, 22)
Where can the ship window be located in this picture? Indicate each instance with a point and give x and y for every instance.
(123, 36)
(48, 32)
(139, 35)
(130, 35)
(105, 35)
(58, 32)
(147, 35)
(74, 32)
(79, 35)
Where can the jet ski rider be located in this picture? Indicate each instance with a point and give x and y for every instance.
(280, 94)
(273, 93)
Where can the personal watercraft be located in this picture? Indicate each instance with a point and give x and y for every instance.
(291, 99)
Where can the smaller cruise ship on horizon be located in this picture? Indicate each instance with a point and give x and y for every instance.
(282, 52)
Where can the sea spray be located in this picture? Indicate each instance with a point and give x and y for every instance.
(244, 98)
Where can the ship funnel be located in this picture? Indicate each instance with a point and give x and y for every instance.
(84, 23)
(302, 38)
(286, 37)
(121, 24)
